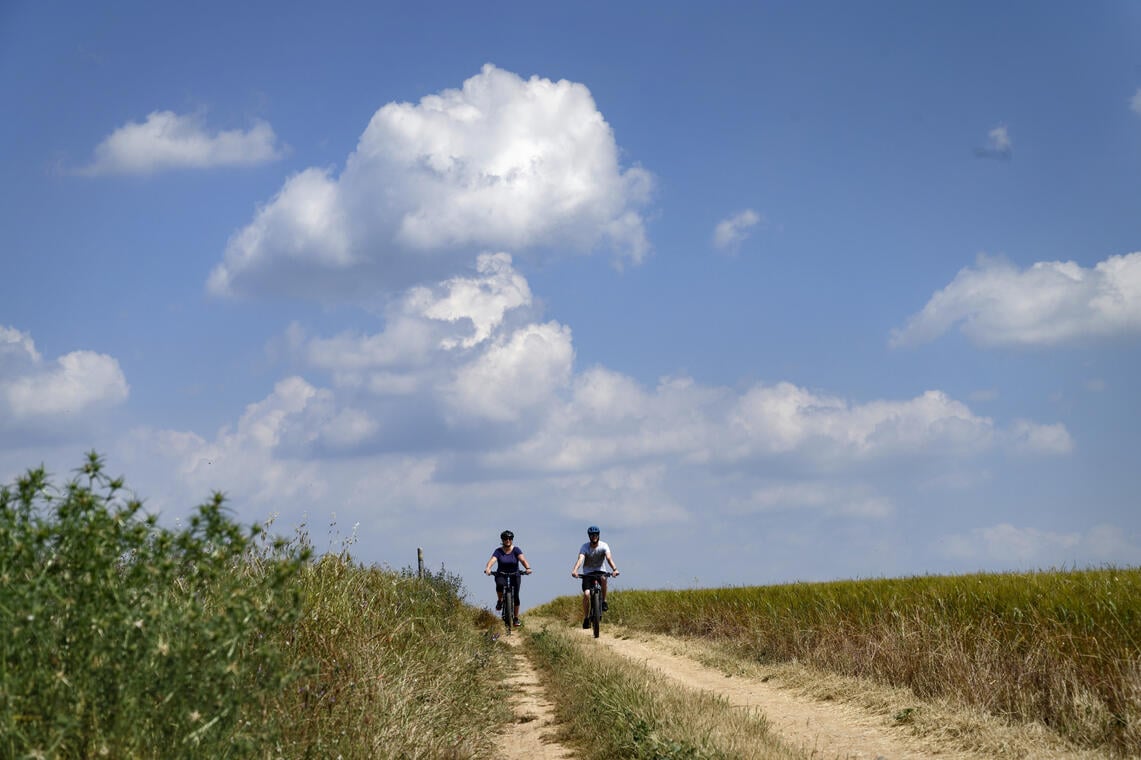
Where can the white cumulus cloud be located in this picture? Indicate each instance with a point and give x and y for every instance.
(481, 301)
(33, 390)
(1049, 303)
(1135, 102)
(732, 231)
(167, 140)
(500, 163)
(517, 374)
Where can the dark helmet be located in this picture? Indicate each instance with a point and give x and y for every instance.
(593, 530)
(506, 535)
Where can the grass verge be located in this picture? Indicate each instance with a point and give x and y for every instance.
(617, 708)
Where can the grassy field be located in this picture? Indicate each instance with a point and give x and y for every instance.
(1061, 648)
(123, 639)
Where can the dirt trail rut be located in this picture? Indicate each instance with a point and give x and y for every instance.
(532, 735)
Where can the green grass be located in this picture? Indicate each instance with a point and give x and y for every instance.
(1060, 648)
(618, 708)
(120, 638)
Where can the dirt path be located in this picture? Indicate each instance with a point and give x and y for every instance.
(824, 730)
(532, 736)
(828, 729)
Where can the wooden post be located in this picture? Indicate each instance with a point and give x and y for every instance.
(419, 562)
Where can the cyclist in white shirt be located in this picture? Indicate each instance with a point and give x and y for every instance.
(591, 555)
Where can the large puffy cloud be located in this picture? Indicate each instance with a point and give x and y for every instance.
(167, 140)
(469, 394)
(611, 419)
(39, 394)
(1050, 303)
(466, 409)
(481, 301)
(785, 418)
(429, 332)
(502, 162)
(520, 373)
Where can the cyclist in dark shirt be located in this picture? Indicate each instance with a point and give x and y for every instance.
(507, 559)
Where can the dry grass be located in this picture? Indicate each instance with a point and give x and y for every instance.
(1058, 649)
(943, 724)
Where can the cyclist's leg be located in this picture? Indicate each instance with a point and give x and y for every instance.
(518, 583)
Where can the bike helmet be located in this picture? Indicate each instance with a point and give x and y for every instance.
(593, 530)
(506, 535)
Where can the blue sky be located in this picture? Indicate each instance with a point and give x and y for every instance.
(770, 292)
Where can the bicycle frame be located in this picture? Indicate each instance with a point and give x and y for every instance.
(509, 587)
(596, 597)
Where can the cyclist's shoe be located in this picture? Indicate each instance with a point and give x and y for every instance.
(518, 623)
(499, 604)
(586, 622)
(605, 606)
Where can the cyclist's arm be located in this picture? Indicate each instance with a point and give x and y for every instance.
(487, 567)
(613, 567)
(523, 561)
(577, 565)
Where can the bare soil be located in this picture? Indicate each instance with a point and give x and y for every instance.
(533, 734)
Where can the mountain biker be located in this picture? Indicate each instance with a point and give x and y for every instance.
(590, 558)
(507, 557)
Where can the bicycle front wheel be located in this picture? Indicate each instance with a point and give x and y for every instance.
(508, 608)
(596, 609)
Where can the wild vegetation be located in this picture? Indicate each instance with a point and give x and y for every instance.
(1060, 648)
(613, 707)
(122, 638)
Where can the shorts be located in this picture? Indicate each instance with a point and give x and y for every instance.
(500, 582)
(588, 582)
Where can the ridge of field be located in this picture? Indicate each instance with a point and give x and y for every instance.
(121, 638)
(1059, 647)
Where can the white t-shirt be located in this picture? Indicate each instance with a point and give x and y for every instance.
(595, 556)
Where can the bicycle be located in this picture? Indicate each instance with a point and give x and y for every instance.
(510, 594)
(596, 577)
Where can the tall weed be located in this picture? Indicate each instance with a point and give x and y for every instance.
(120, 638)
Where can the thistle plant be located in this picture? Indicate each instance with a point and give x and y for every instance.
(123, 638)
